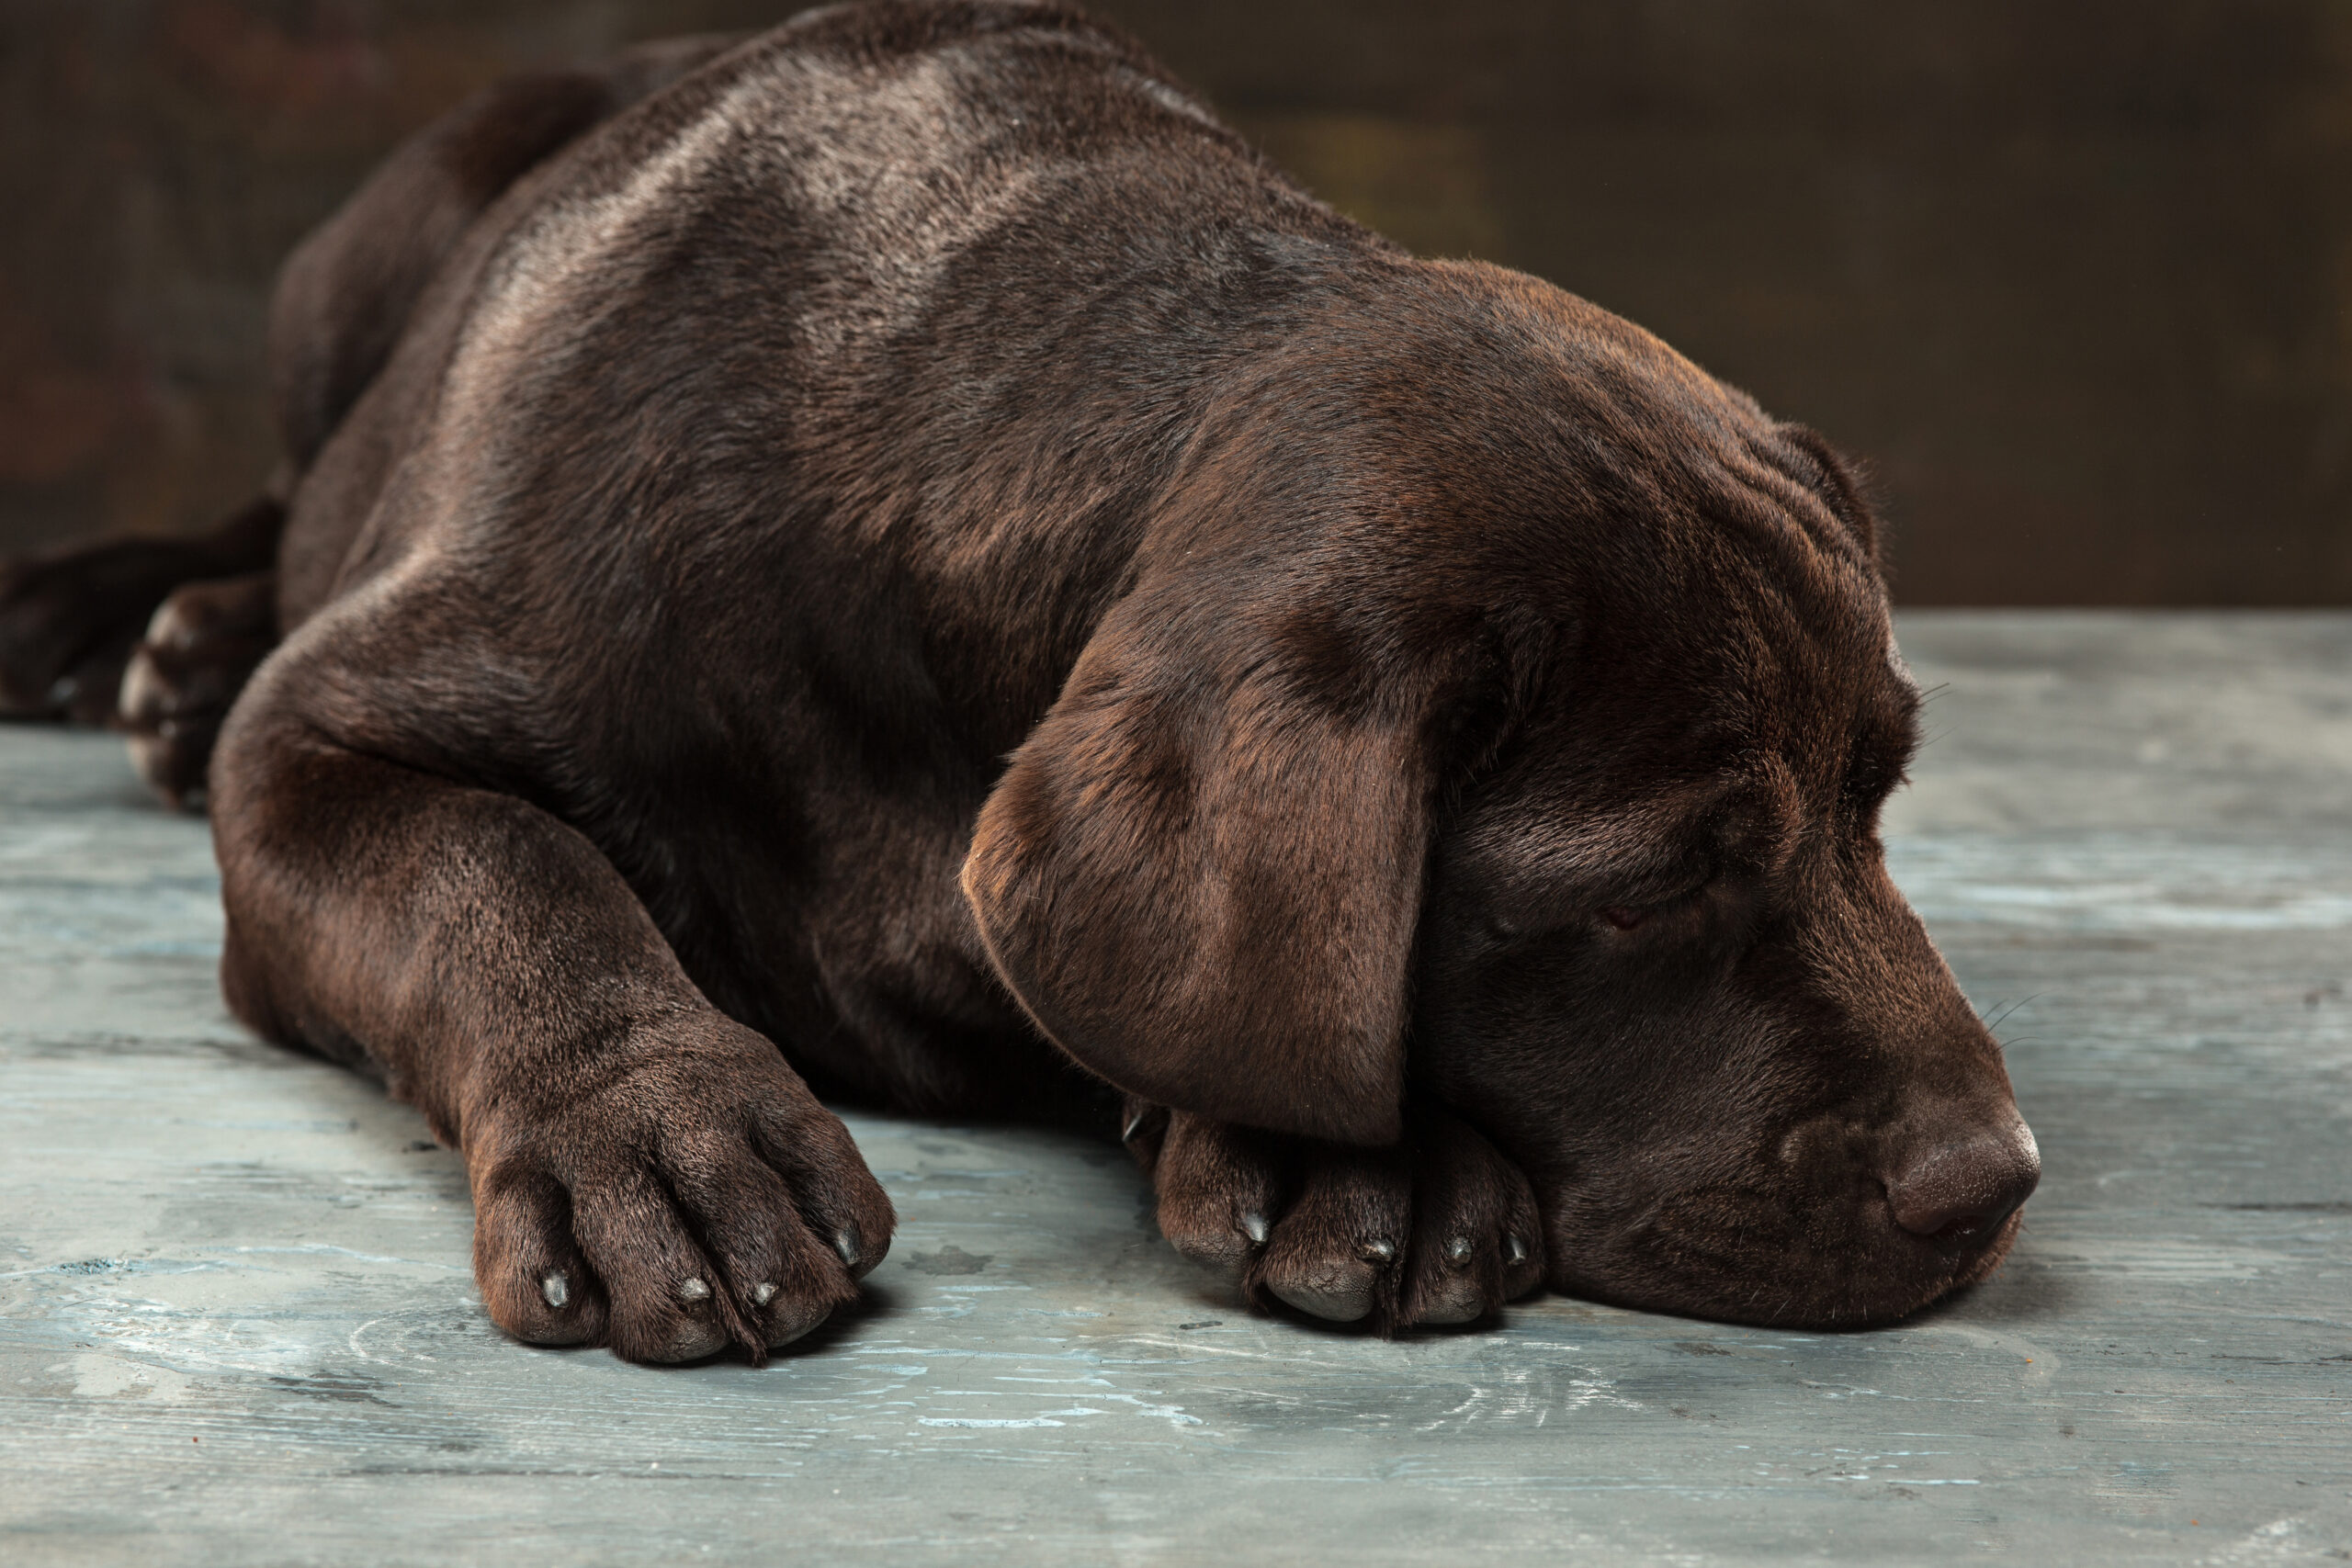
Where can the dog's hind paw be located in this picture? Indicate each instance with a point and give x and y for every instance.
(200, 647)
(67, 622)
(1439, 1230)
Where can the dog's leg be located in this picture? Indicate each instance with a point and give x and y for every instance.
(1439, 1230)
(69, 618)
(646, 1172)
(199, 648)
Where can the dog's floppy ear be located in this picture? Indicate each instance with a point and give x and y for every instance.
(1201, 873)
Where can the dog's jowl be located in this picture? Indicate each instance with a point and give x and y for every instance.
(896, 558)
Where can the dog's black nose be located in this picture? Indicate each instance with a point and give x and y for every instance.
(1967, 1186)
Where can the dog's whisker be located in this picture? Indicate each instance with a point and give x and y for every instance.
(1995, 1024)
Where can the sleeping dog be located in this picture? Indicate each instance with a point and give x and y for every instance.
(898, 559)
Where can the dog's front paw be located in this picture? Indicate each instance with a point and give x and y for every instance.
(1439, 1230)
(700, 1197)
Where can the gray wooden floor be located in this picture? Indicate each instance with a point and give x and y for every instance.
(236, 1323)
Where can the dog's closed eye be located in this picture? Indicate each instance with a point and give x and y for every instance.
(1629, 916)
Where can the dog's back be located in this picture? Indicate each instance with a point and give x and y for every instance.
(838, 224)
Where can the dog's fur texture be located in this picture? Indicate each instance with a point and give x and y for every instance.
(896, 557)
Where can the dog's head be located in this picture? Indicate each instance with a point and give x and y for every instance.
(1502, 710)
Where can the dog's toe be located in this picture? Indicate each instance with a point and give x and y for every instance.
(702, 1246)
(1439, 1231)
(1474, 1213)
(1220, 1188)
(1337, 1251)
(710, 1201)
(534, 1281)
(1338, 1295)
(1451, 1290)
(692, 1339)
(792, 1319)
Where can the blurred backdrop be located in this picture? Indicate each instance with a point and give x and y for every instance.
(2073, 277)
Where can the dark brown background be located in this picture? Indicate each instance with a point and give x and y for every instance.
(2073, 276)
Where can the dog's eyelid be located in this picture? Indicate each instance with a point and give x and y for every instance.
(1661, 897)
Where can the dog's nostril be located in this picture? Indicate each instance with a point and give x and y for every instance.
(1965, 1188)
(1961, 1226)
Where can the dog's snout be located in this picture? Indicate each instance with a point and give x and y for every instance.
(1966, 1186)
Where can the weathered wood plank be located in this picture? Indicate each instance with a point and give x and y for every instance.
(236, 1323)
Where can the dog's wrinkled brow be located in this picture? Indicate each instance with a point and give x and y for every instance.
(1661, 840)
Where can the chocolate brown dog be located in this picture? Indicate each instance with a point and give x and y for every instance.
(897, 557)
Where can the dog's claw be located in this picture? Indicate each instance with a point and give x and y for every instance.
(1458, 1250)
(845, 1243)
(692, 1290)
(1254, 1228)
(1379, 1250)
(1514, 1251)
(763, 1294)
(554, 1289)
